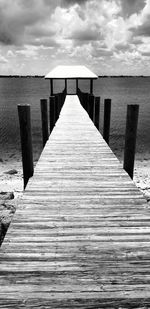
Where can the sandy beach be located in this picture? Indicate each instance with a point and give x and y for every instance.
(11, 184)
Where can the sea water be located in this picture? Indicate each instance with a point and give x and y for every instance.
(122, 91)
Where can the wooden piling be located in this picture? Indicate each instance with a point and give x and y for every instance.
(91, 107)
(130, 138)
(52, 117)
(82, 98)
(44, 118)
(26, 141)
(57, 106)
(57, 102)
(107, 116)
(88, 105)
(97, 113)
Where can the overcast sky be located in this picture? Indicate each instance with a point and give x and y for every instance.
(108, 36)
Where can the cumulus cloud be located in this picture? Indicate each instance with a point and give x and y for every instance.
(17, 17)
(88, 24)
(139, 23)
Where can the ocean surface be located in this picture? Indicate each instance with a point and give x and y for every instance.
(122, 91)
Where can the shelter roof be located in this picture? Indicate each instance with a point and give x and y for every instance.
(71, 72)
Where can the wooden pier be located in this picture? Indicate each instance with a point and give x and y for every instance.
(80, 237)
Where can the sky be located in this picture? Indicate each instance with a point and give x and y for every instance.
(110, 37)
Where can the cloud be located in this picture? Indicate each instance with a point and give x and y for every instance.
(70, 2)
(130, 7)
(3, 60)
(88, 24)
(28, 51)
(140, 23)
(17, 17)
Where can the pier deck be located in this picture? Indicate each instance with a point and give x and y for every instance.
(80, 237)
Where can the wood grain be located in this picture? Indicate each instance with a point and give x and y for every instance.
(80, 237)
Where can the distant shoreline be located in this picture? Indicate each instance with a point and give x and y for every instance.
(22, 76)
(100, 76)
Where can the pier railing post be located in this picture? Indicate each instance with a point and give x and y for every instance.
(97, 113)
(26, 141)
(52, 117)
(56, 108)
(44, 118)
(59, 103)
(130, 138)
(91, 107)
(82, 99)
(88, 102)
(107, 116)
(64, 96)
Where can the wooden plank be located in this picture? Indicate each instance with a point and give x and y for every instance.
(80, 237)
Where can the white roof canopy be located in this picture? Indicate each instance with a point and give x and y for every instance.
(71, 72)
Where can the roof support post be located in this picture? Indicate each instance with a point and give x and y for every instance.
(77, 86)
(66, 85)
(51, 87)
(91, 86)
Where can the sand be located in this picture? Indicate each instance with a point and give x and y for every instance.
(142, 177)
(11, 185)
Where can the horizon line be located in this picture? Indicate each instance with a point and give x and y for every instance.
(42, 76)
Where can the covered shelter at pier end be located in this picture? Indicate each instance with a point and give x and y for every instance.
(71, 72)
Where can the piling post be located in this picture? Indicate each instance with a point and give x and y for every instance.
(88, 104)
(91, 107)
(26, 141)
(82, 99)
(44, 118)
(57, 106)
(58, 103)
(107, 116)
(85, 101)
(52, 117)
(130, 138)
(64, 96)
(97, 113)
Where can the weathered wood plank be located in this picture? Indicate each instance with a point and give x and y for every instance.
(80, 237)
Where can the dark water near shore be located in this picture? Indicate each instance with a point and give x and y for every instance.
(122, 91)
